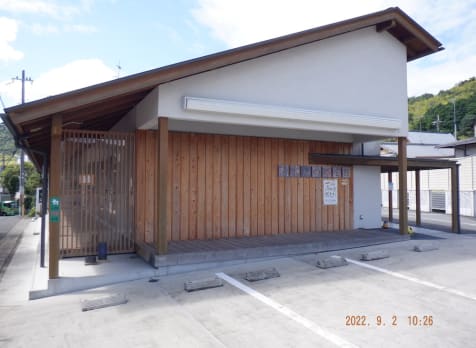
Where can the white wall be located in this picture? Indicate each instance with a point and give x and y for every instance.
(142, 116)
(371, 148)
(367, 197)
(439, 180)
(362, 72)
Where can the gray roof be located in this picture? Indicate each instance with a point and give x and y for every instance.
(460, 143)
(430, 138)
(419, 151)
(423, 144)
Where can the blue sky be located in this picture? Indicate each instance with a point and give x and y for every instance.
(66, 44)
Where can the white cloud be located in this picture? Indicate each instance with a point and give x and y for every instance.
(434, 78)
(42, 7)
(50, 28)
(74, 75)
(80, 28)
(8, 30)
(452, 22)
(42, 29)
(246, 21)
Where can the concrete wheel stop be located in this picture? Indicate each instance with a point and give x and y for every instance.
(375, 255)
(261, 274)
(425, 247)
(202, 284)
(103, 302)
(330, 262)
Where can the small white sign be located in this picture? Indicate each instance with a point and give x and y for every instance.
(330, 192)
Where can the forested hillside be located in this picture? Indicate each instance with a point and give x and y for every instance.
(423, 111)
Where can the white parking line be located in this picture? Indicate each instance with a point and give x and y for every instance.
(413, 279)
(338, 341)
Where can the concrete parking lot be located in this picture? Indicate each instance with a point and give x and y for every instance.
(410, 299)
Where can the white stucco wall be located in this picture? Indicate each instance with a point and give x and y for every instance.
(367, 197)
(362, 72)
(145, 111)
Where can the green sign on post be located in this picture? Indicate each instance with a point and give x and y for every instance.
(54, 209)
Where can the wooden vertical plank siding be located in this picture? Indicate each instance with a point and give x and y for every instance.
(228, 186)
(223, 187)
(232, 187)
(207, 228)
(201, 185)
(192, 208)
(162, 185)
(281, 186)
(240, 176)
(150, 193)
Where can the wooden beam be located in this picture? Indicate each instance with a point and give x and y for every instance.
(390, 197)
(55, 175)
(384, 26)
(402, 185)
(390, 163)
(162, 182)
(418, 197)
(455, 219)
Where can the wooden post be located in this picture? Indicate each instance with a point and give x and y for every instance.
(455, 219)
(162, 185)
(55, 175)
(390, 197)
(402, 185)
(418, 198)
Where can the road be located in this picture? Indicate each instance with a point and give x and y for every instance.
(10, 236)
(436, 221)
(6, 224)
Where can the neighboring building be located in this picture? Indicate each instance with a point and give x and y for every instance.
(462, 148)
(222, 146)
(422, 145)
(436, 184)
(465, 151)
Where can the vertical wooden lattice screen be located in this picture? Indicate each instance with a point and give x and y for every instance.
(97, 192)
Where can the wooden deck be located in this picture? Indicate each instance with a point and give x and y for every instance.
(190, 255)
(373, 236)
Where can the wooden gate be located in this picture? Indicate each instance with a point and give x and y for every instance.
(97, 192)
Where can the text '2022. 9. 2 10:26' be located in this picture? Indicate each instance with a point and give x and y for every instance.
(394, 320)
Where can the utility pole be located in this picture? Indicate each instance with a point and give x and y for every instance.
(437, 122)
(23, 79)
(454, 118)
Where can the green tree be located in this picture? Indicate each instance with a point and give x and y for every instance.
(7, 146)
(9, 178)
(423, 110)
(32, 179)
